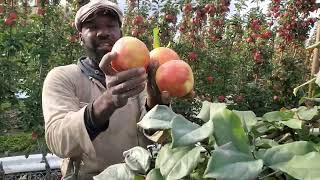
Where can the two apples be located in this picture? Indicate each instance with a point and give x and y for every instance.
(173, 75)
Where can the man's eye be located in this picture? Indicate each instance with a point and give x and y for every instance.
(92, 26)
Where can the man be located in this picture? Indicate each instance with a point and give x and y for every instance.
(90, 110)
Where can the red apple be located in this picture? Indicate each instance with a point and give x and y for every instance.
(176, 77)
(163, 54)
(131, 53)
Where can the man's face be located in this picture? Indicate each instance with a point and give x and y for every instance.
(99, 35)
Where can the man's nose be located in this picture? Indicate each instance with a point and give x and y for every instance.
(102, 33)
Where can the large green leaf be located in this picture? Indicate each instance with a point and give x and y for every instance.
(204, 113)
(208, 109)
(185, 132)
(293, 123)
(228, 128)
(230, 164)
(156, 37)
(276, 116)
(248, 119)
(306, 167)
(178, 162)
(159, 117)
(154, 174)
(137, 159)
(216, 108)
(304, 113)
(115, 172)
(285, 152)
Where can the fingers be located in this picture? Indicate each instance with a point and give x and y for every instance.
(165, 97)
(122, 99)
(125, 76)
(105, 63)
(130, 84)
(152, 67)
(133, 92)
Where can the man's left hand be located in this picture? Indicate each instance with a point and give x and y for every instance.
(154, 95)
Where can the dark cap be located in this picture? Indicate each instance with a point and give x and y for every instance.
(94, 6)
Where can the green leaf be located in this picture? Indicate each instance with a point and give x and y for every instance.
(159, 117)
(204, 113)
(115, 172)
(137, 159)
(306, 167)
(293, 123)
(178, 162)
(156, 37)
(4, 106)
(229, 163)
(169, 45)
(216, 108)
(285, 152)
(186, 133)
(248, 119)
(137, 177)
(228, 128)
(155, 174)
(304, 113)
(275, 116)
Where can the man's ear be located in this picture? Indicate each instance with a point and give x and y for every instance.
(80, 38)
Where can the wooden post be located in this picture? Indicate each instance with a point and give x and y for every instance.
(315, 61)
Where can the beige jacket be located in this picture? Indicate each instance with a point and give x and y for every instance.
(66, 93)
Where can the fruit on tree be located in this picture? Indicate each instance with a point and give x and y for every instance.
(176, 77)
(138, 20)
(131, 53)
(2, 9)
(13, 15)
(221, 98)
(187, 8)
(163, 54)
(40, 11)
(210, 78)
(8, 21)
(193, 56)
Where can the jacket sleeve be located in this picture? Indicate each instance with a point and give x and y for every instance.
(65, 130)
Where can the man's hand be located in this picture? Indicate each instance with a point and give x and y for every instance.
(120, 87)
(154, 95)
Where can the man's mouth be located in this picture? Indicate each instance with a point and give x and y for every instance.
(105, 46)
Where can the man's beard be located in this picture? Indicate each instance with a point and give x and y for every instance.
(95, 54)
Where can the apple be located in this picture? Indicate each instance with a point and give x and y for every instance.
(176, 77)
(131, 53)
(163, 54)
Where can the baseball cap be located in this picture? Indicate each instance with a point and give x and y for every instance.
(94, 6)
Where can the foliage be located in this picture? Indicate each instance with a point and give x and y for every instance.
(237, 59)
(232, 144)
(20, 143)
(38, 39)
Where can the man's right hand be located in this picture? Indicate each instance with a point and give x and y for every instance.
(120, 87)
